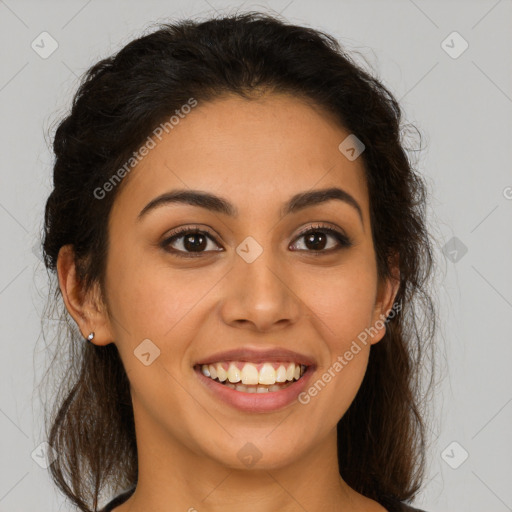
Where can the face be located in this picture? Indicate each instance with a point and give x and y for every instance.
(251, 280)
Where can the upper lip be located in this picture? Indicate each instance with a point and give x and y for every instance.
(258, 356)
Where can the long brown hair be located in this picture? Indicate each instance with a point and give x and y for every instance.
(121, 99)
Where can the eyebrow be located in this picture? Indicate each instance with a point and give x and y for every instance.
(218, 204)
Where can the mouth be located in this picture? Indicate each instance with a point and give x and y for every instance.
(256, 382)
(247, 377)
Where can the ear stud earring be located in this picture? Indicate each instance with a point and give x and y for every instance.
(90, 337)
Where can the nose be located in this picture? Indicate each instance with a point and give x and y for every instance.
(260, 295)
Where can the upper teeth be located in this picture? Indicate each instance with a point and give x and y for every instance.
(249, 373)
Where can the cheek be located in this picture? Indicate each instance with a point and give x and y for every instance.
(344, 301)
(341, 310)
(151, 299)
(164, 305)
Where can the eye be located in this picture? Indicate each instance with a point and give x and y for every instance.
(192, 242)
(188, 239)
(317, 236)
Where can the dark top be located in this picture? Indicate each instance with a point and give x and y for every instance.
(121, 498)
(392, 505)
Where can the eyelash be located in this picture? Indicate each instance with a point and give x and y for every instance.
(343, 240)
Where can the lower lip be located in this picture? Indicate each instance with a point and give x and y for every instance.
(257, 402)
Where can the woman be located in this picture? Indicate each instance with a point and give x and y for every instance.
(240, 239)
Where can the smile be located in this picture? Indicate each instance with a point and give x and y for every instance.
(254, 378)
(254, 388)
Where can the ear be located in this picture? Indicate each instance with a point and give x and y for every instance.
(87, 309)
(386, 293)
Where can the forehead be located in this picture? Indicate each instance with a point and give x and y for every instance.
(258, 151)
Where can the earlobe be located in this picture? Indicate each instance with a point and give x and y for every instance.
(81, 305)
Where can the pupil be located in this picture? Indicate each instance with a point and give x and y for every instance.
(311, 244)
(201, 244)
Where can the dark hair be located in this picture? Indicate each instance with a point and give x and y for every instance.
(121, 99)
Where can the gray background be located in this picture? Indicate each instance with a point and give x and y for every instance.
(461, 105)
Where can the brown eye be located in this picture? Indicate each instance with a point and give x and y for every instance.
(188, 242)
(194, 242)
(317, 238)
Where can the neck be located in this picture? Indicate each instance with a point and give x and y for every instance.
(172, 476)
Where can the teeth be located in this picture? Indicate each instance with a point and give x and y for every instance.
(281, 374)
(250, 374)
(256, 389)
(233, 373)
(267, 373)
(250, 379)
(221, 373)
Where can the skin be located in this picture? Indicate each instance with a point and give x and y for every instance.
(252, 153)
